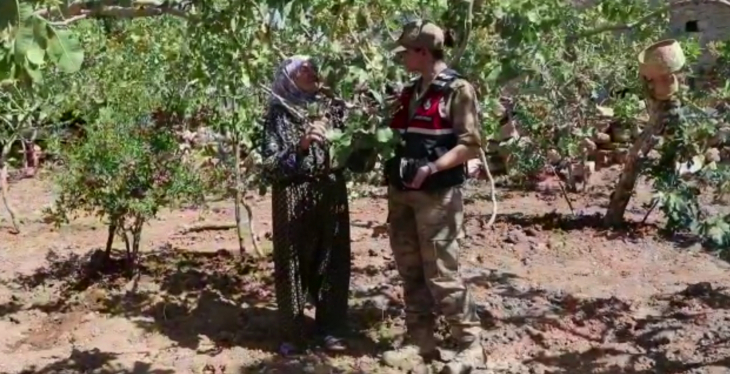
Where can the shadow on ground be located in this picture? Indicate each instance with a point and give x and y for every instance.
(567, 222)
(682, 332)
(313, 363)
(184, 295)
(228, 300)
(630, 229)
(93, 361)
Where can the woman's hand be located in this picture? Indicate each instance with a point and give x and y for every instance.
(315, 134)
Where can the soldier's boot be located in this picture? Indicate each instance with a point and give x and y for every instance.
(416, 355)
(470, 356)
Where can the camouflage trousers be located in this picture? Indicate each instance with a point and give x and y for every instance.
(424, 229)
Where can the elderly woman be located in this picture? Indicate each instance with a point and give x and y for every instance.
(311, 227)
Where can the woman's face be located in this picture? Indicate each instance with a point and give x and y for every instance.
(306, 78)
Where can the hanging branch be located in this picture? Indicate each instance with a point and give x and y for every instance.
(468, 25)
(79, 10)
(4, 191)
(455, 59)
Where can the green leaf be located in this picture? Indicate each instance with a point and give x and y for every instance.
(35, 55)
(334, 135)
(65, 51)
(532, 16)
(245, 79)
(35, 74)
(494, 74)
(378, 97)
(719, 231)
(384, 135)
(24, 37)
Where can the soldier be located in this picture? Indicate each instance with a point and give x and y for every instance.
(438, 122)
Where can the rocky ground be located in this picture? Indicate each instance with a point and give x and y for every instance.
(556, 294)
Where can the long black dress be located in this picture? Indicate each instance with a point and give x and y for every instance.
(311, 228)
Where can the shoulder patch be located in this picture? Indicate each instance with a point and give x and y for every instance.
(459, 83)
(443, 108)
(412, 82)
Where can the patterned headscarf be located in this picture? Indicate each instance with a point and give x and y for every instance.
(285, 88)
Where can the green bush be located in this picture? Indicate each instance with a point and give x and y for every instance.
(124, 171)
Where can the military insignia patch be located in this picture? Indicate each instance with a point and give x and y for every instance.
(442, 108)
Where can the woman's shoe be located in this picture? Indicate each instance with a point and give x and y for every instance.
(334, 344)
(288, 349)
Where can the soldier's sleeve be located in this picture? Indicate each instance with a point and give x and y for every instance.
(464, 115)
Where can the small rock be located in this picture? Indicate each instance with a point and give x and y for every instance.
(698, 289)
(712, 155)
(530, 231)
(515, 236)
(663, 337)
(553, 156)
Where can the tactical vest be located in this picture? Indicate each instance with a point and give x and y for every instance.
(426, 133)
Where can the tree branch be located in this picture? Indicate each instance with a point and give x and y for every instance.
(79, 10)
(207, 226)
(468, 20)
(643, 20)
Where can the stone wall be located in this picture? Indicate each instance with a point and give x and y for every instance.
(708, 19)
(609, 146)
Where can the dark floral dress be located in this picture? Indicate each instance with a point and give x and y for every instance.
(311, 227)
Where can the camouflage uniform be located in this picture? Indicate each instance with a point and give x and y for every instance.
(425, 224)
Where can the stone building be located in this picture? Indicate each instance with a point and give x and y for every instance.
(709, 20)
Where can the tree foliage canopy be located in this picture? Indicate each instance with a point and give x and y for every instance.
(207, 63)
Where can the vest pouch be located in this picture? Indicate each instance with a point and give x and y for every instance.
(391, 171)
(400, 171)
(409, 167)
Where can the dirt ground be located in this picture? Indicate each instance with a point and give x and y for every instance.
(556, 294)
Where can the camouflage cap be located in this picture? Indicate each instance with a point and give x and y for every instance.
(420, 35)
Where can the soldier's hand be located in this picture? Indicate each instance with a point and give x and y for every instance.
(421, 174)
(474, 168)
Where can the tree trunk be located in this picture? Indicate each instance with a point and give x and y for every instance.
(4, 188)
(110, 240)
(659, 111)
(132, 239)
(238, 198)
(136, 242)
(127, 244)
(24, 148)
